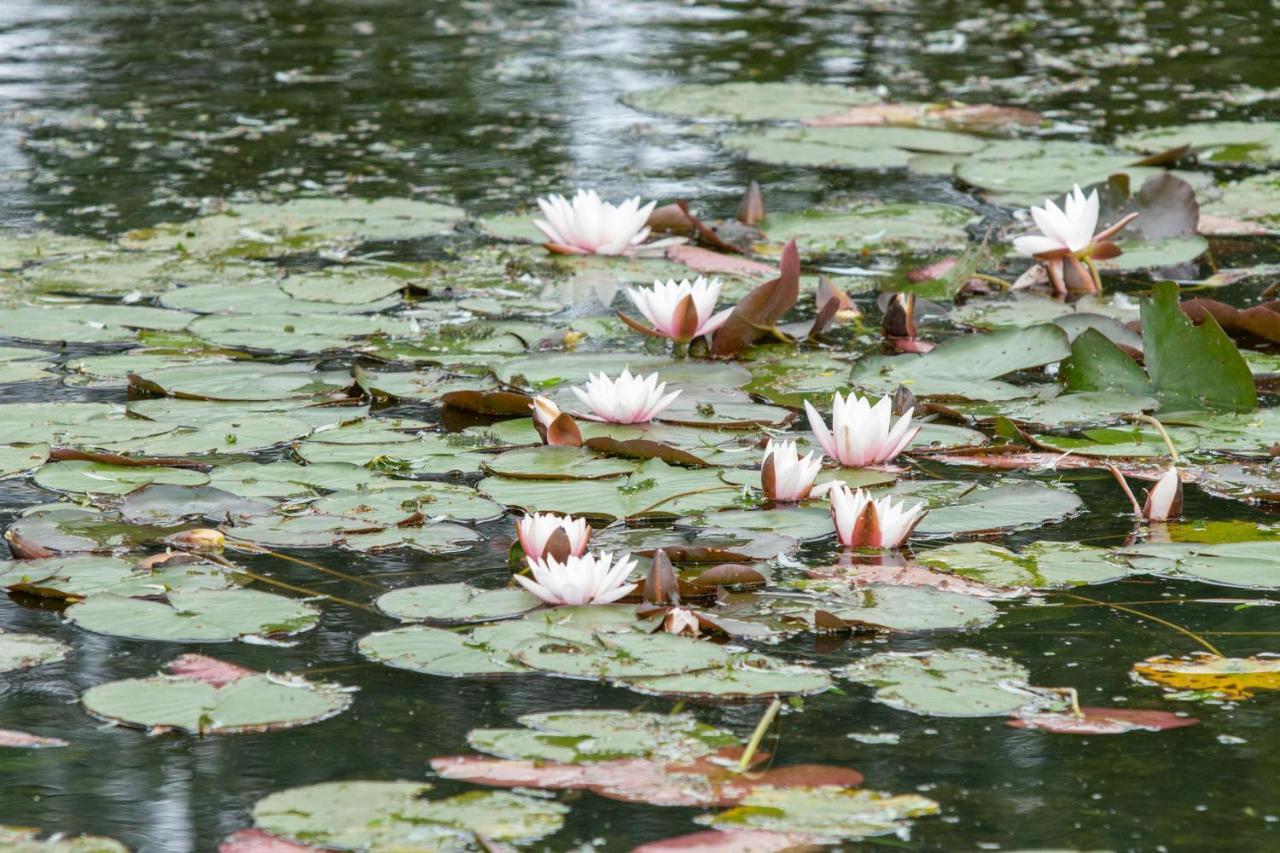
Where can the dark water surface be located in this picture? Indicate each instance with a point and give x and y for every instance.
(121, 114)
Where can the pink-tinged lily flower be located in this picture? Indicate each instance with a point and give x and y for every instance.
(681, 620)
(1164, 501)
(865, 523)
(786, 477)
(679, 311)
(626, 400)
(545, 534)
(588, 579)
(590, 226)
(861, 434)
(1067, 234)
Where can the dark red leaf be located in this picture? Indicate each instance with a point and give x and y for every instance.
(643, 448)
(1103, 721)
(760, 310)
(495, 403)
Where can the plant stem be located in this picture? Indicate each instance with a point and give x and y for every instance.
(1124, 484)
(1181, 630)
(992, 279)
(1093, 271)
(758, 735)
(258, 549)
(1168, 442)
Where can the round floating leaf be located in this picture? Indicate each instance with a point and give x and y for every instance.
(289, 479)
(1041, 565)
(802, 523)
(252, 703)
(163, 504)
(16, 460)
(556, 463)
(874, 227)
(654, 489)
(750, 101)
(238, 382)
(1213, 141)
(900, 608)
(396, 815)
(1253, 565)
(435, 538)
(1232, 678)
(18, 839)
(955, 683)
(404, 502)
(99, 478)
(197, 616)
(1103, 721)
(967, 367)
(23, 651)
(602, 735)
(89, 574)
(1007, 506)
(1154, 254)
(455, 603)
(740, 682)
(826, 812)
(433, 651)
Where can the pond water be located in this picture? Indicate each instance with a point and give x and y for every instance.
(122, 115)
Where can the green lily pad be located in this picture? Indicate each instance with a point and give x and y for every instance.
(1007, 506)
(859, 147)
(750, 101)
(898, 608)
(874, 227)
(252, 703)
(456, 603)
(208, 616)
(1253, 565)
(397, 816)
(1040, 565)
(602, 735)
(654, 489)
(99, 478)
(80, 575)
(955, 683)
(1213, 141)
(434, 651)
(17, 839)
(23, 651)
(968, 366)
(825, 812)
(289, 479)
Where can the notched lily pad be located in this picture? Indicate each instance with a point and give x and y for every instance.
(192, 617)
(955, 683)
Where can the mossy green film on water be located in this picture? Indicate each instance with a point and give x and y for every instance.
(269, 239)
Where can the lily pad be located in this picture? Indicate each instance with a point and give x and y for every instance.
(1040, 565)
(824, 812)
(602, 735)
(955, 683)
(396, 815)
(201, 616)
(251, 703)
(871, 227)
(750, 101)
(1007, 506)
(455, 603)
(23, 651)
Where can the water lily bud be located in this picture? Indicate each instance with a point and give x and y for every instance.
(865, 523)
(903, 400)
(1164, 501)
(198, 539)
(900, 317)
(751, 208)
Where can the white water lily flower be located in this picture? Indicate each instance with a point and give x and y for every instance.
(785, 476)
(626, 400)
(588, 579)
(680, 311)
(1067, 234)
(865, 523)
(681, 620)
(1070, 229)
(535, 533)
(1164, 501)
(862, 434)
(589, 225)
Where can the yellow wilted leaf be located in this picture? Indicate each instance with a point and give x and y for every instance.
(1234, 678)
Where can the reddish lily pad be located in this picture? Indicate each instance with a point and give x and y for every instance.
(1103, 721)
(25, 740)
